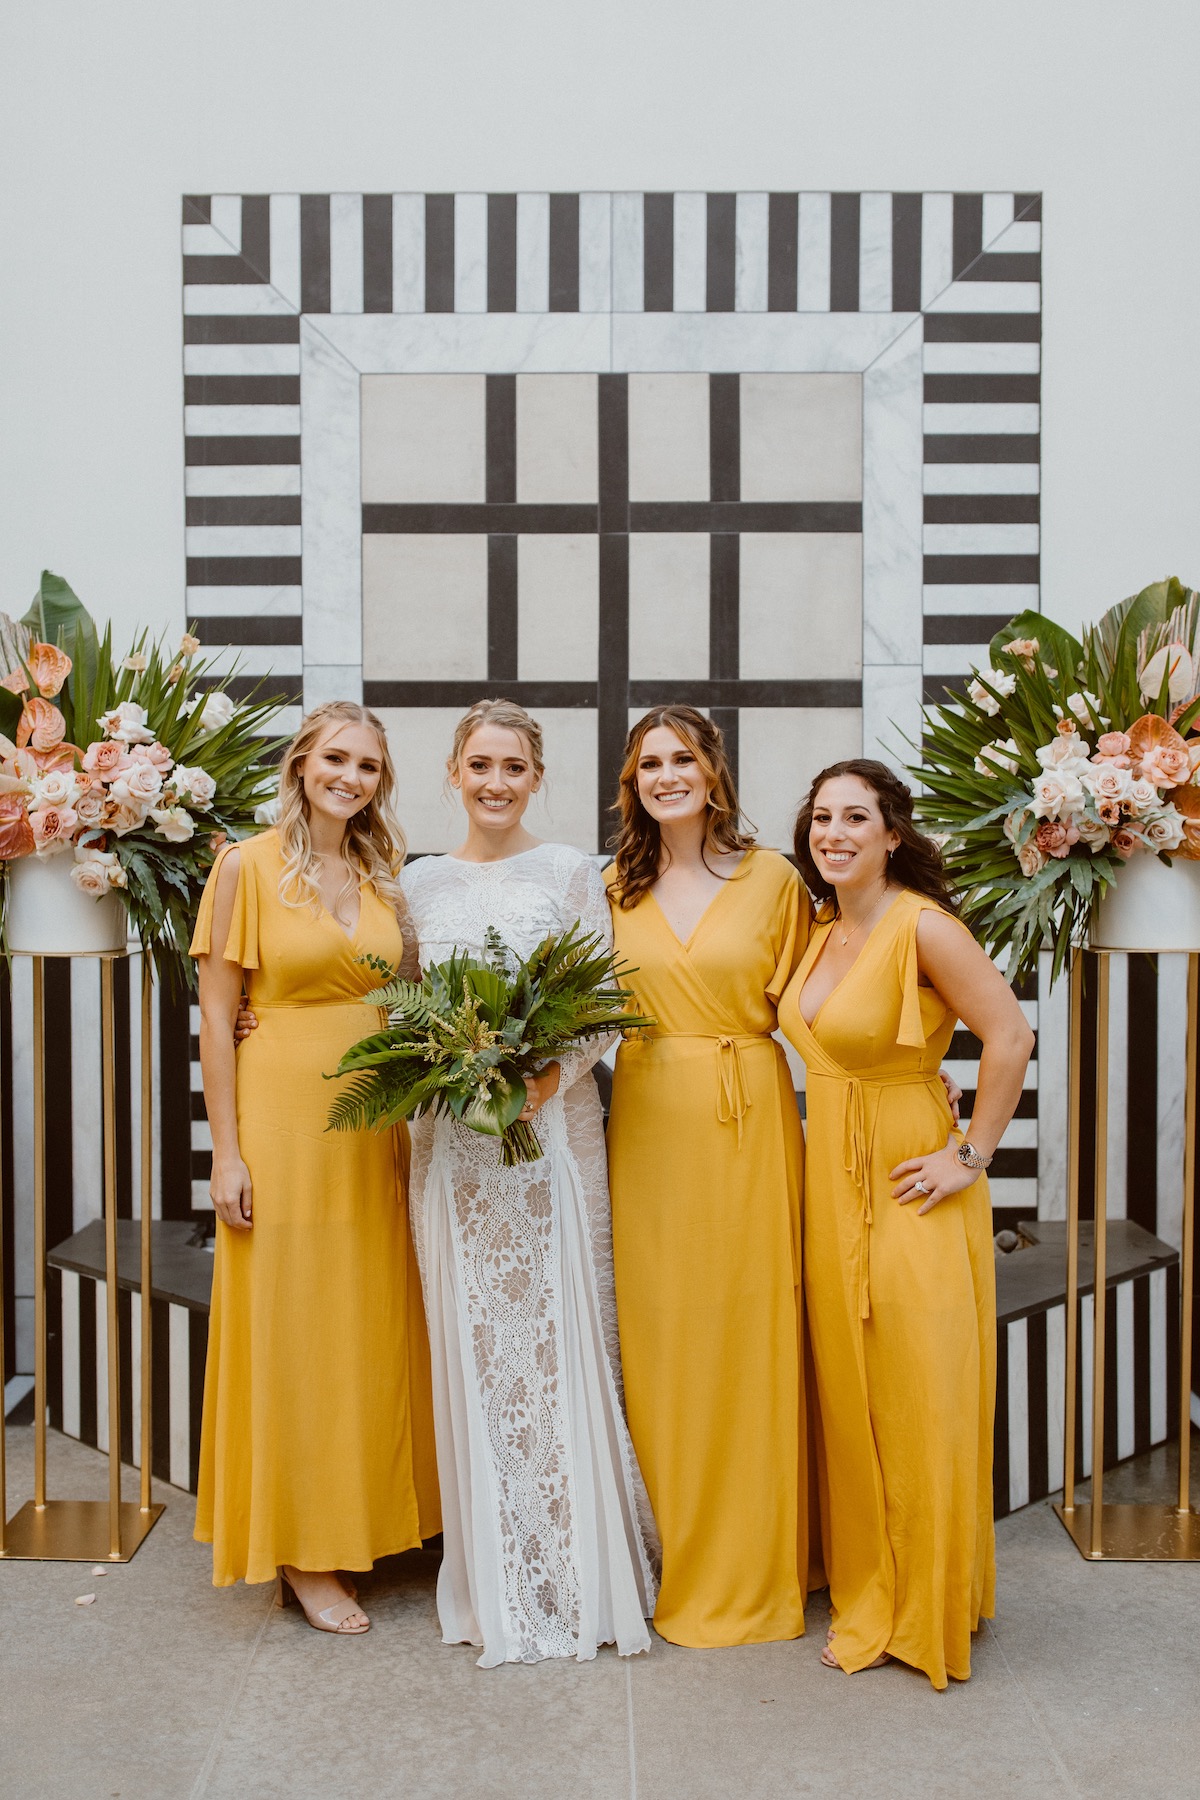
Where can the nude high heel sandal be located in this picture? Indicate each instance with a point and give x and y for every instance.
(333, 1618)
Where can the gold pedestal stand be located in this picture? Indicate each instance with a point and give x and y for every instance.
(1124, 1533)
(86, 1530)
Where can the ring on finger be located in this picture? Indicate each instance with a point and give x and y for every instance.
(920, 1188)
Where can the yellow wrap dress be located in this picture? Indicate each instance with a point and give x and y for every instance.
(706, 1160)
(902, 1316)
(317, 1437)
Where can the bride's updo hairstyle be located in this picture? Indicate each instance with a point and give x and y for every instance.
(509, 717)
(638, 841)
(915, 863)
(373, 847)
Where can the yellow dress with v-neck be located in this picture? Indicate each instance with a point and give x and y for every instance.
(902, 1316)
(705, 1169)
(316, 1445)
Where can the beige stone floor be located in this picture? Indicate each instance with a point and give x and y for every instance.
(1087, 1683)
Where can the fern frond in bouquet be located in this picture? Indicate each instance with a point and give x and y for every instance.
(464, 1039)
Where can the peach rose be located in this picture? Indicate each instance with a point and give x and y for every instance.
(1031, 858)
(106, 759)
(1106, 780)
(41, 725)
(91, 875)
(1024, 649)
(49, 667)
(1164, 766)
(52, 825)
(155, 753)
(1054, 838)
(1109, 811)
(1125, 842)
(188, 646)
(140, 783)
(1113, 746)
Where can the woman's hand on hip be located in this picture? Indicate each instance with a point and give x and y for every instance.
(931, 1178)
(539, 1089)
(247, 1021)
(232, 1194)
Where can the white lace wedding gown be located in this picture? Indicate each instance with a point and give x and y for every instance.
(549, 1540)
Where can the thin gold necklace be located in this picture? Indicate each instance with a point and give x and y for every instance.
(846, 936)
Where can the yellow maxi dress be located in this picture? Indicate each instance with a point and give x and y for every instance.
(902, 1316)
(706, 1160)
(317, 1437)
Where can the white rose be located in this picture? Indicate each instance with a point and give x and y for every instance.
(127, 723)
(1143, 797)
(1030, 858)
(1003, 753)
(1067, 750)
(999, 679)
(1092, 832)
(194, 785)
(174, 823)
(59, 788)
(267, 812)
(1056, 794)
(139, 785)
(90, 877)
(1164, 831)
(1080, 704)
(1106, 781)
(215, 708)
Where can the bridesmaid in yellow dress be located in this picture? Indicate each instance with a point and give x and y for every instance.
(901, 1296)
(316, 1446)
(705, 1170)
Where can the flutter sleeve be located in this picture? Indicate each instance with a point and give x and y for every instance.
(793, 926)
(911, 1032)
(241, 944)
(586, 899)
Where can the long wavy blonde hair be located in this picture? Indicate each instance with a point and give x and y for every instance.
(373, 848)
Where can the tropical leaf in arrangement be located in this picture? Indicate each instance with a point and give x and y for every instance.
(465, 1039)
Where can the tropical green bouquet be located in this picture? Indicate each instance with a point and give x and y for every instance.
(464, 1039)
(1064, 759)
(134, 769)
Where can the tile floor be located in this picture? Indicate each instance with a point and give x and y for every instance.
(1087, 1684)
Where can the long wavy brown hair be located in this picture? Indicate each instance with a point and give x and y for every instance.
(638, 840)
(916, 862)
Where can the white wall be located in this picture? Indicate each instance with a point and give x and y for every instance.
(109, 113)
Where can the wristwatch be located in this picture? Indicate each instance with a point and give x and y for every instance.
(970, 1157)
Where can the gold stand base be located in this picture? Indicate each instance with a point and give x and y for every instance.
(75, 1531)
(1134, 1533)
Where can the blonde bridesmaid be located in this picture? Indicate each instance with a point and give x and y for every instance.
(899, 1269)
(705, 1168)
(316, 1446)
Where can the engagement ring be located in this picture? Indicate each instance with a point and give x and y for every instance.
(919, 1187)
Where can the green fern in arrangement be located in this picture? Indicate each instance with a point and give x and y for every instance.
(463, 1040)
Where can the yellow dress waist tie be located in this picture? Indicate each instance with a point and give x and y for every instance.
(857, 1135)
(733, 1092)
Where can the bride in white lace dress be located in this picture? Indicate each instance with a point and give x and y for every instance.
(549, 1541)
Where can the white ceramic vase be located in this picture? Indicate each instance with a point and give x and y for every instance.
(47, 915)
(1151, 907)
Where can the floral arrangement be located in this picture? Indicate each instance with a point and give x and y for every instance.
(463, 1039)
(131, 766)
(1064, 759)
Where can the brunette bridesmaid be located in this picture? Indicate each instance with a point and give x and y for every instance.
(705, 1167)
(899, 1269)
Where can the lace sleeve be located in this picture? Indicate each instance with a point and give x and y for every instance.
(586, 899)
(410, 962)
